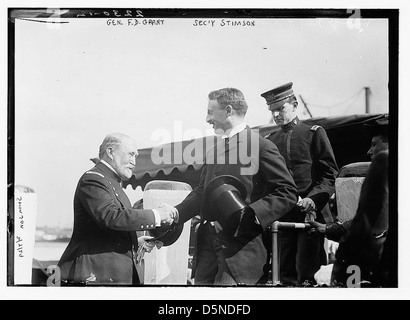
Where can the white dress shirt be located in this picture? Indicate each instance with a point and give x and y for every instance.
(234, 130)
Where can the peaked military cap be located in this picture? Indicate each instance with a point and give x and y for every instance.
(279, 94)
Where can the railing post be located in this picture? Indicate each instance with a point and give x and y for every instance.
(275, 253)
(276, 226)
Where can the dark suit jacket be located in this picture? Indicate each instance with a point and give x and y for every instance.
(310, 159)
(271, 192)
(102, 247)
(363, 245)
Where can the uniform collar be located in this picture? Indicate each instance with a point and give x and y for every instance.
(111, 172)
(290, 125)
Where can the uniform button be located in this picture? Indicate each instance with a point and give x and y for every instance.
(142, 227)
(147, 226)
(152, 226)
(117, 194)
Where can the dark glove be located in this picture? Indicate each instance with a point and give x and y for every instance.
(242, 224)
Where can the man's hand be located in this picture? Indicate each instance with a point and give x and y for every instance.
(167, 213)
(306, 205)
(144, 241)
(146, 245)
(317, 227)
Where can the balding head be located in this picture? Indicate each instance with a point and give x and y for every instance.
(112, 140)
(120, 151)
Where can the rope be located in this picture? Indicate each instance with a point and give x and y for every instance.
(355, 96)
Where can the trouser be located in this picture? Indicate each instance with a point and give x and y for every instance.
(300, 254)
(135, 277)
(211, 267)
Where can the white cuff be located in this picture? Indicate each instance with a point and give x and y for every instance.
(157, 218)
(176, 215)
(257, 220)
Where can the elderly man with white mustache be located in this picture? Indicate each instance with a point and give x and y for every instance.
(103, 247)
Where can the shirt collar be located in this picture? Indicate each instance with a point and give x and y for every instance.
(234, 131)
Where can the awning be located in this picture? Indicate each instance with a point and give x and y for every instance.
(345, 133)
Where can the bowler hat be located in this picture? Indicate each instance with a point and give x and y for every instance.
(167, 234)
(223, 197)
(278, 94)
(377, 127)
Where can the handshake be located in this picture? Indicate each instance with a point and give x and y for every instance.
(168, 214)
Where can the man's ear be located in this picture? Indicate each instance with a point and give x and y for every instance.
(109, 151)
(295, 104)
(229, 110)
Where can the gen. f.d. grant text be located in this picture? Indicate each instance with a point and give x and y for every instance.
(224, 23)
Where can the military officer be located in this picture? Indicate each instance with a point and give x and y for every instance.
(310, 160)
(102, 250)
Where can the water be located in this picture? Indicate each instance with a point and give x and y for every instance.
(49, 250)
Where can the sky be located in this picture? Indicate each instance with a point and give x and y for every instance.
(78, 81)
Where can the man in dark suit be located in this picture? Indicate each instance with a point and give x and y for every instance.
(310, 160)
(378, 131)
(363, 258)
(366, 243)
(221, 257)
(102, 250)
